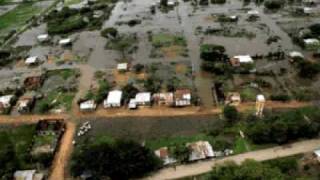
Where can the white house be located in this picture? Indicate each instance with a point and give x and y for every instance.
(113, 99)
(32, 60)
(311, 43)
(43, 37)
(122, 67)
(64, 42)
(317, 154)
(253, 12)
(164, 155)
(5, 102)
(28, 175)
(182, 97)
(241, 59)
(295, 54)
(200, 150)
(89, 105)
(171, 2)
(132, 104)
(143, 98)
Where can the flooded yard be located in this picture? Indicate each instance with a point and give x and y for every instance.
(142, 128)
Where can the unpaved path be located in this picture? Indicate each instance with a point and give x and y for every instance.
(63, 155)
(260, 155)
(87, 74)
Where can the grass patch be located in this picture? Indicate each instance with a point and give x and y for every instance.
(17, 17)
(21, 137)
(54, 100)
(164, 39)
(71, 2)
(248, 94)
(241, 146)
(64, 73)
(45, 140)
(154, 144)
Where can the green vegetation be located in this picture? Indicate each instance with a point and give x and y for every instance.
(17, 17)
(165, 39)
(274, 4)
(54, 100)
(283, 127)
(120, 159)
(102, 92)
(113, 32)
(231, 114)
(249, 169)
(64, 73)
(14, 145)
(154, 144)
(125, 44)
(66, 25)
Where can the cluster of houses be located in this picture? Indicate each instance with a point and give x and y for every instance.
(24, 103)
(179, 98)
(198, 150)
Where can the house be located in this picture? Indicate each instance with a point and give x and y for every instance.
(122, 67)
(97, 13)
(311, 43)
(43, 38)
(143, 99)
(233, 99)
(25, 103)
(253, 12)
(171, 3)
(163, 154)
(5, 102)
(296, 54)
(317, 154)
(163, 98)
(27, 175)
(132, 104)
(241, 59)
(200, 150)
(65, 42)
(308, 10)
(33, 81)
(32, 60)
(182, 97)
(89, 105)
(113, 100)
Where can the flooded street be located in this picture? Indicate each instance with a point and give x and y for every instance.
(184, 19)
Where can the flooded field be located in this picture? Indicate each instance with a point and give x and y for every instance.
(140, 128)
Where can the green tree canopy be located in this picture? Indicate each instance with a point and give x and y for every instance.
(119, 160)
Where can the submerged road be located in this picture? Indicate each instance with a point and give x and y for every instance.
(260, 155)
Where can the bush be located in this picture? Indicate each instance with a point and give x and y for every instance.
(280, 97)
(274, 4)
(230, 113)
(218, 1)
(107, 32)
(62, 26)
(212, 52)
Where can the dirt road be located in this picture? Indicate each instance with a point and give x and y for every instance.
(63, 155)
(260, 155)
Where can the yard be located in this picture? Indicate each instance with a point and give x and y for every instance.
(17, 17)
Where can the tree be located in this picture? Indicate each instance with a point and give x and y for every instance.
(102, 92)
(230, 113)
(129, 91)
(308, 69)
(111, 31)
(121, 159)
(180, 152)
(7, 157)
(212, 52)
